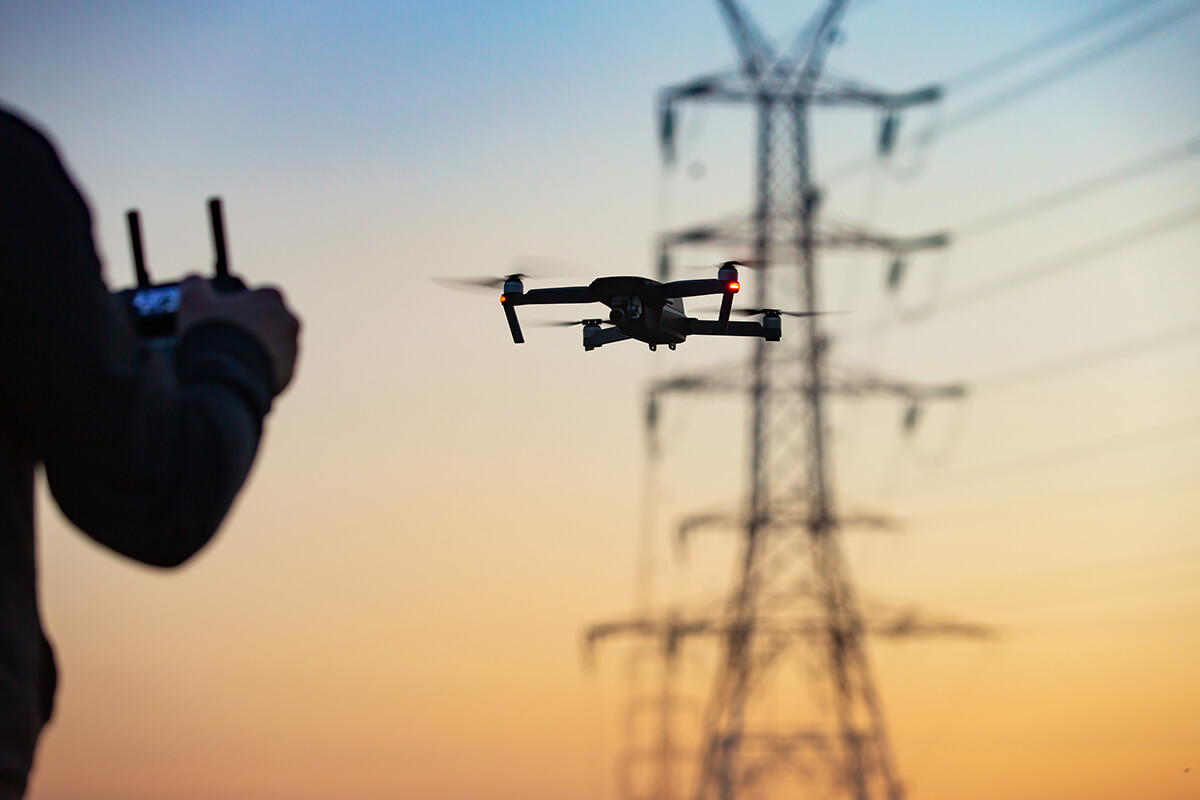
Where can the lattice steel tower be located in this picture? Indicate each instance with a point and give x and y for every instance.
(792, 582)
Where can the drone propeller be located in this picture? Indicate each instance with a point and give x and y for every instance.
(553, 266)
(564, 323)
(478, 284)
(754, 312)
(748, 263)
(536, 267)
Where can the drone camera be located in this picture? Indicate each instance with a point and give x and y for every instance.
(623, 308)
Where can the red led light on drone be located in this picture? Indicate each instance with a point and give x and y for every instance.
(734, 286)
(503, 298)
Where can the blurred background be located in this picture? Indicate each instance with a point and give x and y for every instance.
(396, 606)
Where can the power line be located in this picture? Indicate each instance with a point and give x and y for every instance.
(1073, 260)
(1067, 68)
(1038, 205)
(1187, 149)
(1092, 496)
(1049, 41)
(1076, 259)
(1090, 358)
(1141, 561)
(1083, 451)
(1004, 97)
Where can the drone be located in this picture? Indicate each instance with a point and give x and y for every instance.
(647, 310)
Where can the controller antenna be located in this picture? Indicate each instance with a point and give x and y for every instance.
(135, 244)
(218, 232)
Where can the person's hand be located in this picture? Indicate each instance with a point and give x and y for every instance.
(261, 311)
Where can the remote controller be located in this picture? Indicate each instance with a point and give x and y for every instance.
(153, 309)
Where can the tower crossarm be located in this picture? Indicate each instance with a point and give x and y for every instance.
(845, 92)
(851, 385)
(893, 625)
(909, 624)
(670, 629)
(739, 232)
(736, 523)
(900, 625)
(853, 237)
(709, 382)
(693, 523)
(867, 385)
(714, 87)
(735, 87)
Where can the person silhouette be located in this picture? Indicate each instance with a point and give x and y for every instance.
(143, 451)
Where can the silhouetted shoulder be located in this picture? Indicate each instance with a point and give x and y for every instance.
(25, 149)
(16, 130)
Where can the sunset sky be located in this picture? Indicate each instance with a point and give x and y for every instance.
(394, 608)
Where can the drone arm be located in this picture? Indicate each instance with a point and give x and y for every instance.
(696, 288)
(542, 297)
(513, 297)
(726, 308)
(602, 337)
(712, 327)
(514, 326)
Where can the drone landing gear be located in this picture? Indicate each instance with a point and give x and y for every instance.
(672, 345)
(653, 347)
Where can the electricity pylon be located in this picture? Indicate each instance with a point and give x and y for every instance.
(651, 765)
(803, 589)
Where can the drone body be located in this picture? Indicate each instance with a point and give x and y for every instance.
(643, 309)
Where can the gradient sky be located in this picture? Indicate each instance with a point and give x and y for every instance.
(394, 607)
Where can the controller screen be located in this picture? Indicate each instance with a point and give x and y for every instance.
(156, 301)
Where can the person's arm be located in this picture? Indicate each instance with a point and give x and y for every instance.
(143, 457)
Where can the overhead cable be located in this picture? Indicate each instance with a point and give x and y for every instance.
(1047, 77)
(1082, 451)
(1072, 260)
(1028, 208)
(1090, 358)
(1060, 36)
(1057, 72)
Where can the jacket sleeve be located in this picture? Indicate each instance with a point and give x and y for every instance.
(144, 455)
